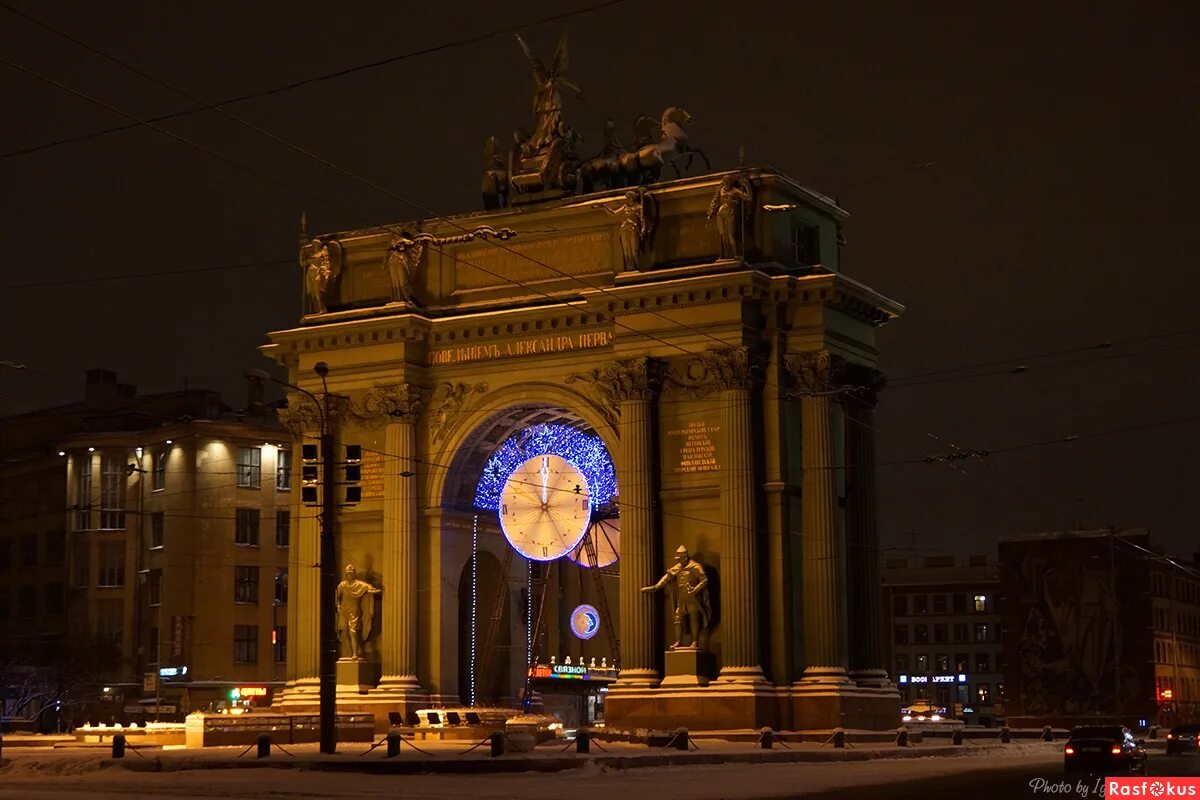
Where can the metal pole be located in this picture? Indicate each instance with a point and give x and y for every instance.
(1116, 611)
(328, 622)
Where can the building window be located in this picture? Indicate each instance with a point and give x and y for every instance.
(983, 662)
(981, 603)
(921, 632)
(112, 493)
(961, 662)
(900, 605)
(54, 598)
(246, 532)
(941, 662)
(112, 564)
(154, 587)
(922, 663)
(245, 584)
(902, 663)
(159, 470)
(920, 604)
(110, 622)
(56, 547)
(283, 527)
(27, 602)
(281, 585)
(982, 632)
(245, 644)
(29, 548)
(940, 634)
(960, 632)
(283, 469)
(83, 492)
(901, 634)
(249, 467)
(279, 644)
(939, 604)
(158, 529)
(984, 692)
(806, 244)
(960, 603)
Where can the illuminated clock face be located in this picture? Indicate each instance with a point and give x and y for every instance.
(605, 545)
(585, 621)
(544, 508)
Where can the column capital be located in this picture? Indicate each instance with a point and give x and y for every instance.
(622, 380)
(814, 373)
(397, 402)
(717, 370)
(303, 417)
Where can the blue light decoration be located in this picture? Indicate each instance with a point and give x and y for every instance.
(585, 622)
(585, 450)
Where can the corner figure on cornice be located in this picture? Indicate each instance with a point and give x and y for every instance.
(447, 402)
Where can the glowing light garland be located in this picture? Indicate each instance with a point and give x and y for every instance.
(474, 597)
(585, 450)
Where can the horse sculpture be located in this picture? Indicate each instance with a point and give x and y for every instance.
(656, 145)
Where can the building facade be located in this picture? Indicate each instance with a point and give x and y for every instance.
(163, 556)
(944, 632)
(1175, 627)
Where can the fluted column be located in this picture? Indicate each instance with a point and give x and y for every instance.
(740, 653)
(824, 569)
(400, 601)
(867, 660)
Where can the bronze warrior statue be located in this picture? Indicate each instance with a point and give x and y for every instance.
(355, 612)
(690, 593)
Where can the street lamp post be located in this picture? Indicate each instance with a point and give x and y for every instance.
(328, 560)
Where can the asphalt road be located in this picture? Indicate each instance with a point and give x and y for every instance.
(1017, 783)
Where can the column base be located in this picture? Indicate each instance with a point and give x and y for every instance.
(873, 678)
(635, 678)
(748, 675)
(819, 676)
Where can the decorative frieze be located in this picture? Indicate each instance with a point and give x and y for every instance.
(382, 404)
(625, 379)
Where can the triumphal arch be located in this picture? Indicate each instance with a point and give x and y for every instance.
(621, 420)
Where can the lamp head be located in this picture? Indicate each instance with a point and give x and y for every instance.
(321, 368)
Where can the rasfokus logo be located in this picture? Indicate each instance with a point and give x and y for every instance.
(1152, 787)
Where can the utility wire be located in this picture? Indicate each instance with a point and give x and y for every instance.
(287, 87)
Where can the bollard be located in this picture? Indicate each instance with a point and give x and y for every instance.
(497, 744)
(583, 741)
(393, 744)
(902, 737)
(118, 750)
(839, 738)
(956, 738)
(1153, 732)
(1047, 734)
(681, 739)
(264, 745)
(766, 738)
(1005, 735)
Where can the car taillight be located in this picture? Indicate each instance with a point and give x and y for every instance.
(1116, 751)
(1070, 750)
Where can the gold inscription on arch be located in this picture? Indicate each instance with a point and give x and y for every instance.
(532, 346)
(538, 260)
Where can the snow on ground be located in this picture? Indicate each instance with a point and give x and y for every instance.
(698, 782)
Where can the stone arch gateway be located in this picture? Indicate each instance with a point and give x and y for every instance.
(731, 377)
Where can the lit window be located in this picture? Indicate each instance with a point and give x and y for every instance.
(283, 469)
(922, 662)
(249, 467)
(112, 493)
(159, 470)
(982, 632)
(981, 603)
(984, 692)
(83, 492)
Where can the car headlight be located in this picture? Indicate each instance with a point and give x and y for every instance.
(936, 718)
(906, 718)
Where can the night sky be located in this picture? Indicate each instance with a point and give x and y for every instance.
(1021, 176)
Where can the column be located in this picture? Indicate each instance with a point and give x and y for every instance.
(399, 544)
(632, 384)
(740, 653)
(867, 661)
(824, 571)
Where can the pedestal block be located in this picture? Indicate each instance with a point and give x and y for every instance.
(689, 667)
(361, 676)
(717, 706)
(823, 702)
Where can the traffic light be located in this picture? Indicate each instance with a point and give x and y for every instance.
(353, 473)
(309, 474)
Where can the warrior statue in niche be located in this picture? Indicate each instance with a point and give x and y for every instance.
(689, 588)
(355, 612)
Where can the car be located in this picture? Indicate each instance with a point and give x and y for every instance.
(1183, 739)
(922, 711)
(1103, 748)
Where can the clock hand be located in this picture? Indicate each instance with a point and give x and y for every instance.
(545, 471)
